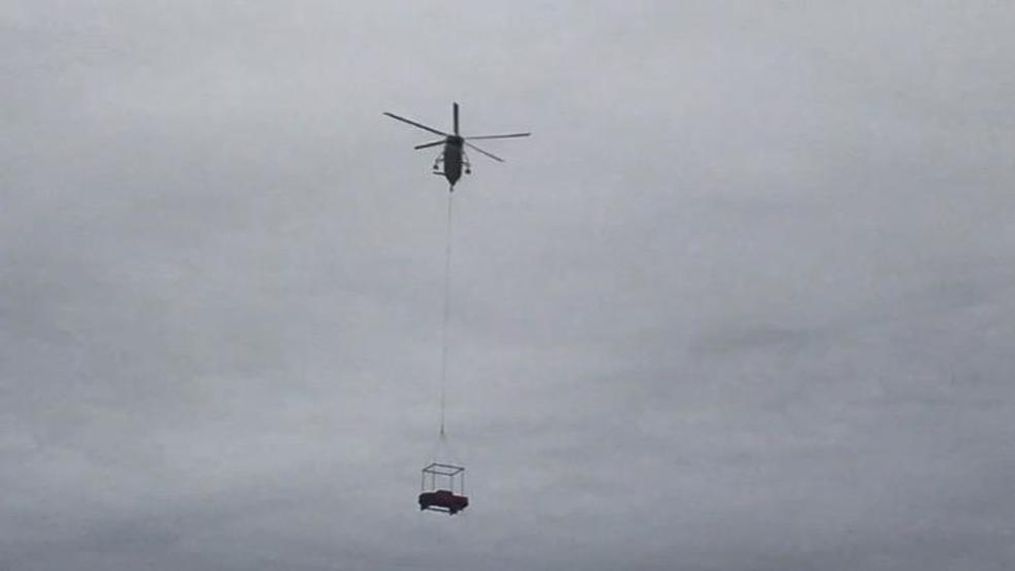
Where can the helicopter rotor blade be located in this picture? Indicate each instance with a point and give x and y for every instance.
(508, 136)
(433, 144)
(475, 148)
(415, 124)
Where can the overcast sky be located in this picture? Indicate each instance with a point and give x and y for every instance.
(745, 301)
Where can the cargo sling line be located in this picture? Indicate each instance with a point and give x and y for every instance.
(447, 316)
(442, 485)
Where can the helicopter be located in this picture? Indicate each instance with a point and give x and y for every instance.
(453, 157)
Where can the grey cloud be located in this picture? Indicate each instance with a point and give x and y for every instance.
(743, 302)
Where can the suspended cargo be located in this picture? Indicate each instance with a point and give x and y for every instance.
(442, 489)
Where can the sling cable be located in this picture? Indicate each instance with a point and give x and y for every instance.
(442, 485)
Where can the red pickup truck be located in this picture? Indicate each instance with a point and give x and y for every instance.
(443, 500)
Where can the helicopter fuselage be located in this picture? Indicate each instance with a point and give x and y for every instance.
(453, 155)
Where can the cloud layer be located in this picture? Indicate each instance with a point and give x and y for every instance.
(744, 301)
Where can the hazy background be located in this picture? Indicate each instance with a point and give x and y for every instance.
(745, 300)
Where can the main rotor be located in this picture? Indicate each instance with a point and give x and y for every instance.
(455, 138)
